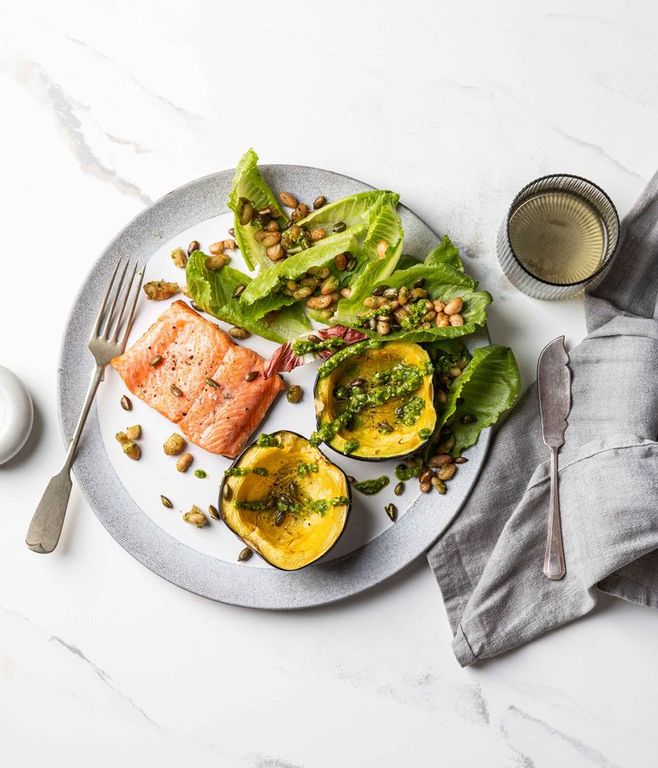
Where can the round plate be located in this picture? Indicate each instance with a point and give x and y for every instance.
(137, 532)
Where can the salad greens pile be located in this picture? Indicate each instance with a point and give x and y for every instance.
(343, 265)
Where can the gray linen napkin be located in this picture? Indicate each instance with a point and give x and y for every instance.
(489, 562)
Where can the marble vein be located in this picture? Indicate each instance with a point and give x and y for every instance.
(584, 750)
(64, 108)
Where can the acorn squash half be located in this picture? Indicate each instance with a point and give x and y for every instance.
(392, 429)
(285, 500)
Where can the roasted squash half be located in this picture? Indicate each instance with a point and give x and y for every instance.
(395, 381)
(285, 500)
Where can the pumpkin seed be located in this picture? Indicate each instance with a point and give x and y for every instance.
(251, 376)
(245, 554)
(176, 391)
(425, 487)
(385, 427)
(419, 283)
(134, 432)
(425, 476)
(439, 485)
(461, 460)
(132, 450)
(126, 404)
(391, 293)
(351, 263)
(212, 383)
(193, 246)
(294, 394)
(237, 291)
(319, 201)
(288, 200)
(392, 511)
(280, 517)
(156, 361)
(351, 479)
(166, 502)
(179, 257)
(121, 437)
(340, 262)
(399, 489)
(246, 213)
(239, 333)
(213, 512)
(231, 231)
(357, 383)
(339, 226)
(379, 290)
(227, 492)
(447, 472)
(196, 517)
(469, 418)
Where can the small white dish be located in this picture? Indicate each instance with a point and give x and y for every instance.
(16, 414)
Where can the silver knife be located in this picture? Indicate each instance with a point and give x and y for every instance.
(554, 387)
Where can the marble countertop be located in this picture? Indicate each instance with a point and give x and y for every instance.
(107, 106)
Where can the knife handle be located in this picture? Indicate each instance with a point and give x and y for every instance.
(554, 565)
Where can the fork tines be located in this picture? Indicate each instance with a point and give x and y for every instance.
(114, 321)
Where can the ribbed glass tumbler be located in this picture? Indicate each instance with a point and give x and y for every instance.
(559, 235)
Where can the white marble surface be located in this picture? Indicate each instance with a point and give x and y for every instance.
(108, 105)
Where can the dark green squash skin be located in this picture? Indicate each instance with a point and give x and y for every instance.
(375, 459)
(236, 463)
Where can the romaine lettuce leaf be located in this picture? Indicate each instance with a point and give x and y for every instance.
(445, 253)
(351, 210)
(486, 389)
(213, 291)
(249, 183)
(268, 281)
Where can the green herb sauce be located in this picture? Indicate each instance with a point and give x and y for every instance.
(303, 347)
(200, 473)
(370, 487)
(305, 469)
(339, 357)
(402, 472)
(424, 433)
(267, 441)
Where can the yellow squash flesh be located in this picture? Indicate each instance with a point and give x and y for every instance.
(300, 539)
(375, 445)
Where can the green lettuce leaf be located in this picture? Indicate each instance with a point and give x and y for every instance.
(212, 291)
(442, 281)
(249, 183)
(445, 253)
(351, 210)
(385, 225)
(268, 281)
(486, 389)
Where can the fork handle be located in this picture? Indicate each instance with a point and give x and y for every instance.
(554, 564)
(48, 520)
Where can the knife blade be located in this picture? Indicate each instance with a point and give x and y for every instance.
(554, 390)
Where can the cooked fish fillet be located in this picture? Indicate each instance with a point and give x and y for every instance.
(193, 349)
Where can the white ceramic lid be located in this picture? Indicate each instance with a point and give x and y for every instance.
(16, 414)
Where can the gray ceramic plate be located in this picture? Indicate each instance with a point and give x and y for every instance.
(138, 534)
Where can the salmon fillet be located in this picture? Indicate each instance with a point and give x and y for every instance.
(193, 349)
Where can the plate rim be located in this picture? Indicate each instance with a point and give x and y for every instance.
(329, 582)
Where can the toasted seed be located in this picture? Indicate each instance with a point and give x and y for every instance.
(317, 234)
(176, 391)
(179, 257)
(455, 372)
(379, 290)
(418, 293)
(300, 212)
(294, 394)
(456, 320)
(351, 479)
(213, 512)
(385, 427)
(216, 262)
(425, 476)
(318, 302)
(231, 231)
(329, 285)
(319, 201)
(230, 244)
(134, 432)
(346, 292)
(357, 383)
(446, 446)
(174, 445)
(239, 333)
(193, 246)
(131, 449)
(237, 291)
(126, 404)
(227, 492)
(212, 383)
(391, 293)
(447, 472)
(440, 460)
(247, 213)
(156, 361)
(420, 283)
(196, 517)
(260, 235)
(467, 418)
(288, 200)
(183, 462)
(351, 263)
(383, 329)
(159, 290)
(340, 262)
(251, 376)
(426, 487)
(403, 295)
(245, 554)
(442, 320)
(339, 226)
(382, 247)
(439, 306)
(461, 460)
(454, 306)
(441, 397)
(400, 314)
(271, 238)
(280, 517)
(217, 247)
(121, 437)
(392, 511)
(399, 489)
(276, 252)
(439, 485)
(166, 502)
(302, 293)
(429, 316)
(273, 226)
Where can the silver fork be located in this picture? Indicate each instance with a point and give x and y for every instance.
(108, 339)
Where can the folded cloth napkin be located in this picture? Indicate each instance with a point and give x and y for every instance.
(489, 562)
